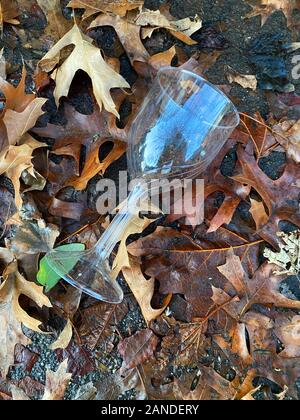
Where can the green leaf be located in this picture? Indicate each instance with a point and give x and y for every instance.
(48, 277)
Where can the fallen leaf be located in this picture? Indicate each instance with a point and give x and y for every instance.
(288, 258)
(129, 35)
(19, 123)
(16, 98)
(181, 29)
(143, 290)
(16, 159)
(288, 332)
(97, 327)
(18, 394)
(117, 7)
(57, 383)
(12, 316)
(138, 348)
(267, 7)
(244, 80)
(32, 237)
(57, 24)
(188, 267)
(289, 138)
(280, 196)
(262, 288)
(46, 276)
(64, 339)
(93, 166)
(84, 57)
(163, 59)
(8, 12)
(259, 214)
(80, 361)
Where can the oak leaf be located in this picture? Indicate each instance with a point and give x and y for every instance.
(129, 34)
(289, 138)
(267, 7)
(14, 160)
(88, 58)
(245, 80)
(138, 348)
(16, 98)
(188, 267)
(57, 24)
(19, 123)
(280, 196)
(57, 382)
(8, 12)
(64, 338)
(12, 316)
(117, 7)
(288, 331)
(143, 290)
(181, 29)
(262, 288)
(94, 166)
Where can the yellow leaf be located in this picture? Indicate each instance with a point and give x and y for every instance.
(118, 7)
(88, 58)
(16, 159)
(143, 290)
(19, 123)
(12, 316)
(64, 339)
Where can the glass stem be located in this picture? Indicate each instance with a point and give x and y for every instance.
(118, 226)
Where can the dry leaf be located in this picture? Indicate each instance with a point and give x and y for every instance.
(267, 7)
(181, 29)
(280, 196)
(88, 58)
(18, 394)
(289, 138)
(244, 80)
(163, 59)
(288, 259)
(16, 159)
(8, 12)
(12, 316)
(19, 123)
(6, 255)
(117, 7)
(57, 383)
(259, 214)
(262, 289)
(129, 34)
(138, 348)
(64, 339)
(57, 24)
(16, 98)
(93, 166)
(143, 291)
(288, 332)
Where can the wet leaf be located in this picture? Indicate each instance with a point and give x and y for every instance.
(280, 196)
(138, 348)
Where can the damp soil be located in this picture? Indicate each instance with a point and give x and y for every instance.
(243, 45)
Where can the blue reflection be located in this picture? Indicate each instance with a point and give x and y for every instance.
(177, 134)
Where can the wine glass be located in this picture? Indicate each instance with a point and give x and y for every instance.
(182, 125)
